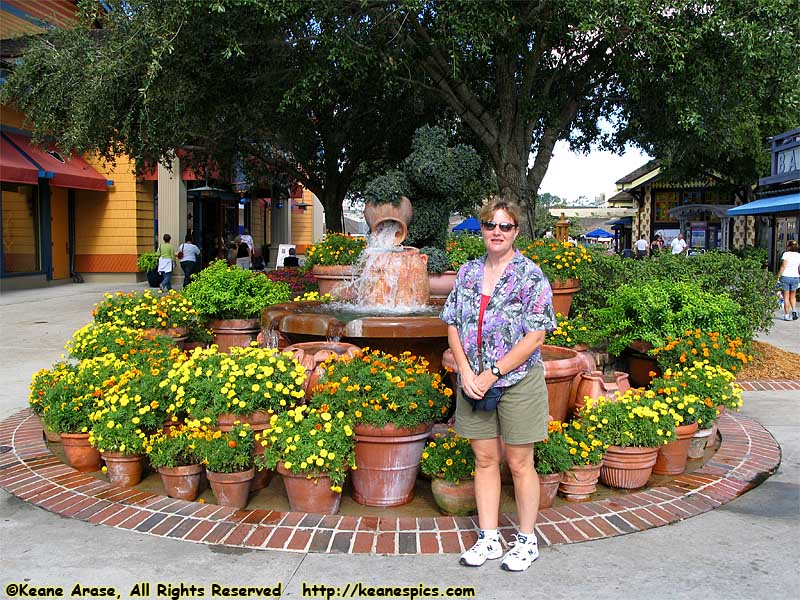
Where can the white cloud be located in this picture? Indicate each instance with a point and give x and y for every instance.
(572, 175)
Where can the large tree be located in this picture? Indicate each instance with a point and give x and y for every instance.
(698, 84)
(252, 83)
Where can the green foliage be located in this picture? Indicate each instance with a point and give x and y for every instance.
(227, 452)
(311, 441)
(132, 345)
(637, 418)
(654, 310)
(147, 262)
(585, 448)
(174, 447)
(437, 259)
(223, 292)
(754, 253)
(388, 188)
(463, 248)
(552, 455)
(450, 457)
(335, 249)
(145, 310)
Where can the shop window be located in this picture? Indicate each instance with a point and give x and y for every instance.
(20, 214)
(665, 200)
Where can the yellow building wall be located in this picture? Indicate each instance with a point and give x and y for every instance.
(112, 228)
(19, 248)
(303, 223)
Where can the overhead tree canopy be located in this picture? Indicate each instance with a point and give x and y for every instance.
(322, 89)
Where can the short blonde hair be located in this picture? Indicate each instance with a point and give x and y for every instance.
(491, 207)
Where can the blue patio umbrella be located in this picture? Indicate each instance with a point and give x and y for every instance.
(598, 233)
(471, 225)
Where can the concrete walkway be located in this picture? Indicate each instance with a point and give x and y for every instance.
(745, 549)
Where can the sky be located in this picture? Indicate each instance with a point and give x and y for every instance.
(572, 175)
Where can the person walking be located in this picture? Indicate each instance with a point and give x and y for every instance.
(789, 279)
(166, 262)
(657, 245)
(242, 254)
(498, 313)
(678, 245)
(189, 255)
(641, 247)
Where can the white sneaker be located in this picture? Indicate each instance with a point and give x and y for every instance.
(523, 552)
(484, 549)
(787, 317)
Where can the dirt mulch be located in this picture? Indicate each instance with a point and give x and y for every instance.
(770, 362)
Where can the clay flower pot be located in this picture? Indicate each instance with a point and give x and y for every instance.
(176, 334)
(441, 284)
(561, 365)
(672, 457)
(594, 385)
(454, 499)
(698, 443)
(312, 354)
(234, 332)
(377, 215)
(333, 280)
(579, 483)
(627, 468)
(124, 470)
(231, 489)
(258, 421)
(388, 462)
(563, 291)
(548, 489)
(641, 364)
(182, 482)
(310, 495)
(81, 455)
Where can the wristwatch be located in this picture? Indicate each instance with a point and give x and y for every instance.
(496, 371)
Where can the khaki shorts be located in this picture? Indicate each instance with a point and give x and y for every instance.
(520, 418)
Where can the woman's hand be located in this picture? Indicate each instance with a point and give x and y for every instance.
(479, 384)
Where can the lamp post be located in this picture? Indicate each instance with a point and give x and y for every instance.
(562, 229)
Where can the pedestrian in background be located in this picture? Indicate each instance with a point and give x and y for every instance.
(166, 262)
(789, 279)
(189, 255)
(678, 245)
(497, 315)
(641, 247)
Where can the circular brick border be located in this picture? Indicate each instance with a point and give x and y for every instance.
(747, 455)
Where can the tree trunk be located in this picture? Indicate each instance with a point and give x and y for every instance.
(331, 200)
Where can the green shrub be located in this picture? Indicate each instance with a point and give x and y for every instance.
(437, 259)
(223, 292)
(463, 248)
(147, 262)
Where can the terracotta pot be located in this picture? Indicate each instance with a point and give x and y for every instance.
(52, 436)
(594, 385)
(377, 215)
(124, 470)
(258, 421)
(697, 445)
(589, 360)
(561, 365)
(234, 332)
(563, 291)
(441, 284)
(394, 279)
(548, 488)
(454, 499)
(579, 483)
(641, 364)
(310, 495)
(81, 455)
(627, 468)
(388, 461)
(312, 354)
(672, 457)
(333, 277)
(188, 346)
(231, 489)
(182, 482)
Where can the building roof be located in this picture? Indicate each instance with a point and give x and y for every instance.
(638, 173)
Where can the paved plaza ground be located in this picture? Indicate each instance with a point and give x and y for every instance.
(744, 549)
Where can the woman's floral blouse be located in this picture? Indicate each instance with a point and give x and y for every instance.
(521, 302)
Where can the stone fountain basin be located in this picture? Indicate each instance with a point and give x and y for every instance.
(420, 334)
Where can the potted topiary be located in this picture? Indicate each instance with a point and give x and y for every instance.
(148, 263)
(231, 299)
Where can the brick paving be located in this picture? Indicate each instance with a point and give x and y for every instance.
(747, 455)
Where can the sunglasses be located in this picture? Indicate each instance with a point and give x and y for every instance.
(490, 226)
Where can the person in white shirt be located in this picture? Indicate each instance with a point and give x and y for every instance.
(678, 245)
(247, 239)
(189, 255)
(641, 247)
(789, 279)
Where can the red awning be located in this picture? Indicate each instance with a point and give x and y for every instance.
(14, 167)
(69, 172)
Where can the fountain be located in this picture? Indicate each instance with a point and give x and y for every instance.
(389, 298)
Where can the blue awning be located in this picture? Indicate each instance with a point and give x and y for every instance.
(471, 224)
(775, 204)
(619, 223)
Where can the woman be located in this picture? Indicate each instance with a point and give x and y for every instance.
(189, 255)
(166, 262)
(497, 315)
(789, 279)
